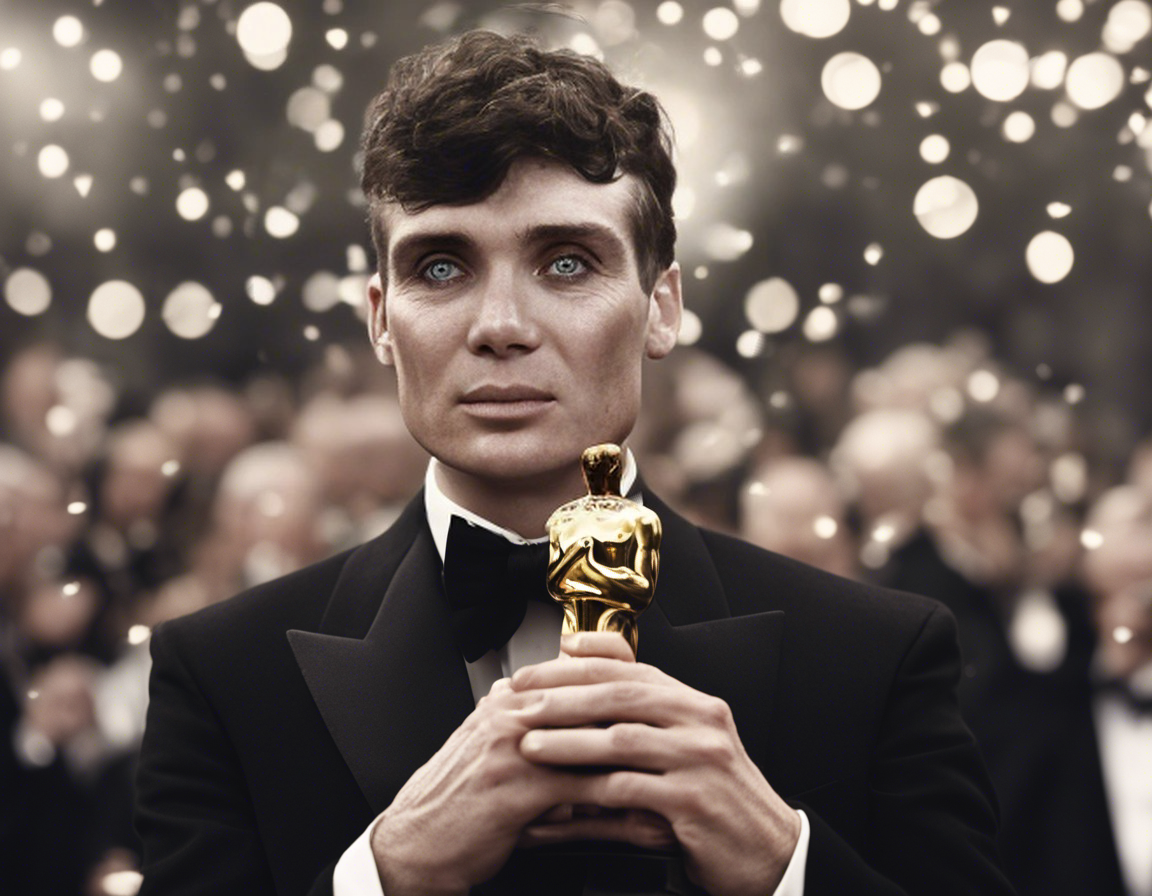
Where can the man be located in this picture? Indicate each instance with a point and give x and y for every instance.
(784, 730)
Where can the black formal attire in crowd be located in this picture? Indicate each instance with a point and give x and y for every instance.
(283, 721)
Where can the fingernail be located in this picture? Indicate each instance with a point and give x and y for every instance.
(531, 742)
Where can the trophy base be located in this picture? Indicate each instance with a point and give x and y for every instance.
(587, 614)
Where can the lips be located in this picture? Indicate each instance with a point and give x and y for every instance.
(504, 406)
(493, 394)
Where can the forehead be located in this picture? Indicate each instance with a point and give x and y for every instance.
(535, 195)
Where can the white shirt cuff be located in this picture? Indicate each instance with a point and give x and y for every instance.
(792, 883)
(356, 873)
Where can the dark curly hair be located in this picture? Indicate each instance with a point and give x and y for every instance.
(455, 116)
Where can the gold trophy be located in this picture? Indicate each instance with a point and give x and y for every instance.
(603, 552)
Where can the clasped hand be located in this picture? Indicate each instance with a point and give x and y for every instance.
(590, 746)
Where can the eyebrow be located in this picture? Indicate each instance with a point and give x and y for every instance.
(454, 240)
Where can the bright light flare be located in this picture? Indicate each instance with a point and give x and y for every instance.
(1000, 70)
(946, 207)
(850, 80)
(106, 65)
(68, 31)
(772, 305)
(264, 29)
(934, 149)
(816, 18)
(1018, 127)
(192, 204)
(720, 23)
(190, 311)
(116, 309)
(1048, 70)
(27, 292)
(1049, 256)
(1094, 80)
(52, 161)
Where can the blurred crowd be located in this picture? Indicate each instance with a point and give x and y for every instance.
(934, 472)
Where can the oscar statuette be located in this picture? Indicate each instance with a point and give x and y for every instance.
(603, 552)
(603, 558)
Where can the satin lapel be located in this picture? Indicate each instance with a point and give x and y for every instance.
(690, 634)
(392, 697)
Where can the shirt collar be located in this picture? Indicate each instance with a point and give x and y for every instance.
(440, 508)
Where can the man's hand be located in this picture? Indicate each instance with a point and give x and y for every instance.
(457, 819)
(670, 752)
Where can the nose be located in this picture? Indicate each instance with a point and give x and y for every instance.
(503, 324)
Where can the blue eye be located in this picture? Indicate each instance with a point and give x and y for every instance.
(442, 271)
(568, 266)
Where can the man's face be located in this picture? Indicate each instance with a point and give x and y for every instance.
(517, 325)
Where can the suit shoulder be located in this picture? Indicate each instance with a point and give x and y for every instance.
(756, 579)
(295, 600)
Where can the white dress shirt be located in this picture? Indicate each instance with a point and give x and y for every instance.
(1125, 738)
(536, 641)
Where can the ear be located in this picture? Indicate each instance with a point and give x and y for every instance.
(664, 307)
(378, 320)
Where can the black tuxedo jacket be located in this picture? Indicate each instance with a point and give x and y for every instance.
(283, 721)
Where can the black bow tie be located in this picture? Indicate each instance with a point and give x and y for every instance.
(488, 581)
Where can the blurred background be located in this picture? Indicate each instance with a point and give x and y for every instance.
(916, 244)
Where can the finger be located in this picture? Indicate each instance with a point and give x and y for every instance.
(613, 701)
(629, 745)
(639, 828)
(584, 670)
(499, 687)
(556, 814)
(607, 644)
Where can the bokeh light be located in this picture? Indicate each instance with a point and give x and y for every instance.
(1094, 80)
(691, 328)
(264, 29)
(821, 324)
(772, 305)
(116, 309)
(946, 207)
(816, 18)
(1018, 127)
(934, 149)
(104, 239)
(669, 13)
(68, 31)
(850, 80)
(53, 161)
(190, 311)
(192, 204)
(329, 136)
(983, 386)
(955, 77)
(27, 292)
(1048, 70)
(261, 290)
(720, 23)
(1070, 10)
(723, 242)
(1049, 256)
(308, 108)
(1000, 70)
(51, 109)
(280, 222)
(1129, 22)
(321, 291)
(106, 65)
